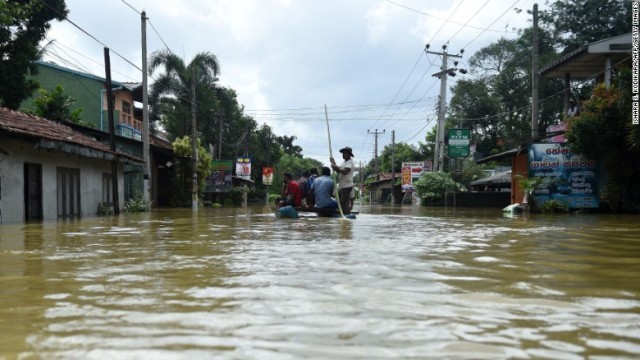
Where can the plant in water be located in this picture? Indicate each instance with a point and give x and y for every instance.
(554, 206)
(136, 204)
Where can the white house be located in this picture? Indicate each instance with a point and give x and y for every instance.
(48, 170)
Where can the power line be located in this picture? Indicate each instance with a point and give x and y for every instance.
(435, 17)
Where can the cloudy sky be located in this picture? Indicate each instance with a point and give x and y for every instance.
(287, 59)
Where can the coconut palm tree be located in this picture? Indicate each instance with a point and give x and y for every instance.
(171, 95)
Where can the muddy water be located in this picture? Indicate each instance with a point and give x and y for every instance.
(395, 283)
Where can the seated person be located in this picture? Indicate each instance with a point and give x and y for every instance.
(322, 189)
(292, 193)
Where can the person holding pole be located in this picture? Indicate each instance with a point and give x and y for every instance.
(346, 178)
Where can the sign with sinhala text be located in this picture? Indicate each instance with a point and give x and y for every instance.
(459, 142)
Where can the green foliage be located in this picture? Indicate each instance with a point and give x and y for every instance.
(402, 152)
(294, 165)
(136, 204)
(578, 22)
(55, 105)
(23, 24)
(432, 186)
(470, 172)
(554, 206)
(183, 169)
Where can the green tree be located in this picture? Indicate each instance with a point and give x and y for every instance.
(574, 23)
(432, 186)
(403, 153)
(287, 145)
(23, 24)
(171, 95)
(294, 165)
(603, 132)
(183, 169)
(55, 105)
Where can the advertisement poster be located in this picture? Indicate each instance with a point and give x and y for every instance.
(220, 178)
(267, 175)
(568, 177)
(411, 171)
(243, 167)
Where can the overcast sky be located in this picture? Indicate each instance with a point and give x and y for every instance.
(286, 59)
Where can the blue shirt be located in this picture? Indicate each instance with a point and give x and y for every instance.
(322, 188)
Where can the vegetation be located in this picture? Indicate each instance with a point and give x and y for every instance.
(183, 170)
(432, 186)
(23, 24)
(55, 105)
(603, 131)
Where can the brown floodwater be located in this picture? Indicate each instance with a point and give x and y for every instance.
(395, 283)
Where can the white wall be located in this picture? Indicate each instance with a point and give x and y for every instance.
(12, 179)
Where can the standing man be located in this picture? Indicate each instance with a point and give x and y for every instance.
(346, 178)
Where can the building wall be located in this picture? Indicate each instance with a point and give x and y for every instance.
(519, 169)
(12, 180)
(85, 90)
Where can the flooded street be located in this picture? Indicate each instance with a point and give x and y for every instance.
(403, 282)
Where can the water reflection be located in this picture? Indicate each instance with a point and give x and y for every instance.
(397, 282)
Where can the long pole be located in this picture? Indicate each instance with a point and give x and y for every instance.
(393, 166)
(112, 135)
(194, 148)
(326, 116)
(145, 114)
(534, 89)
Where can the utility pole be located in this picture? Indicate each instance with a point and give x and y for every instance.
(535, 133)
(375, 154)
(393, 166)
(112, 132)
(194, 148)
(145, 115)
(438, 156)
(220, 134)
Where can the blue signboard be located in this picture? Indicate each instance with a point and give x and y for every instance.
(568, 177)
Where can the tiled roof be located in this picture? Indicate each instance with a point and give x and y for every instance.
(25, 125)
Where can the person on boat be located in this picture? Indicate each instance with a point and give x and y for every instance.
(313, 174)
(322, 191)
(346, 178)
(302, 184)
(293, 194)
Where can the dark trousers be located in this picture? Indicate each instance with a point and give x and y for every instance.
(345, 200)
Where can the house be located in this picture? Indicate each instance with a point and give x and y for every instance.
(91, 96)
(592, 61)
(381, 188)
(48, 170)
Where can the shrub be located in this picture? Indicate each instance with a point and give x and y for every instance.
(432, 186)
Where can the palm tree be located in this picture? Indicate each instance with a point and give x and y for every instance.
(175, 91)
(171, 95)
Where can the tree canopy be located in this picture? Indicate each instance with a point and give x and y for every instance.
(23, 24)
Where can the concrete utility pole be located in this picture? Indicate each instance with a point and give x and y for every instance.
(393, 167)
(438, 156)
(112, 135)
(375, 154)
(145, 114)
(535, 133)
(194, 148)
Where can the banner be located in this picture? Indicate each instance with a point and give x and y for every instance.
(568, 177)
(267, 175)
(459, 143)
(220, 178)
(243, 167)
(412, 171)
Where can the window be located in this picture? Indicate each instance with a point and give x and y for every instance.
(126, 107)
(68, 192)
(107, 188)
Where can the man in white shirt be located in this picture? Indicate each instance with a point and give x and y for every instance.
(346, 178)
